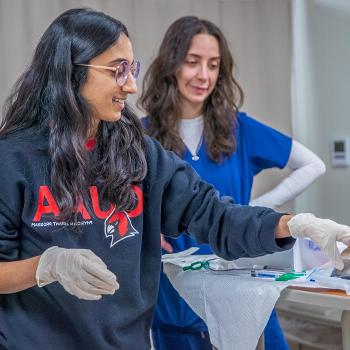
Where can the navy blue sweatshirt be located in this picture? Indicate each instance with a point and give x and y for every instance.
(171, 199)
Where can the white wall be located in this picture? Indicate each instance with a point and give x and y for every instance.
(321, 96)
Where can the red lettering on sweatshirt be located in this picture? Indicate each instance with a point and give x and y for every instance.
(50, 208)
(48, 205)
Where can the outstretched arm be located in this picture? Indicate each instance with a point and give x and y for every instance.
(191, 205)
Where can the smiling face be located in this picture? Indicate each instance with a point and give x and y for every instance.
(105, 97)
(198, 74)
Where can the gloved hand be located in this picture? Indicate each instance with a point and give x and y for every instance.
(79, 271)
(324, 232)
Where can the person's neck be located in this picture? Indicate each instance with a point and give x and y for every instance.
(189, 111)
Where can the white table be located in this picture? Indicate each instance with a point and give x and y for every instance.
(320, 297)
(235, 309)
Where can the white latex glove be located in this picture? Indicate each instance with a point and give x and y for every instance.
(324, 232)
(79, 271)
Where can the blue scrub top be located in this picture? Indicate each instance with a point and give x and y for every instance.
(258, 147)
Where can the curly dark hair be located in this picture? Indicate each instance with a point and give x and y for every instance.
(47, 97)
(160, 96)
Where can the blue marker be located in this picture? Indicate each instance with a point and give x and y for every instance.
(264, 274)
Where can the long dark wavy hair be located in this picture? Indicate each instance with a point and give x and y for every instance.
(160, 97)
(47, 97)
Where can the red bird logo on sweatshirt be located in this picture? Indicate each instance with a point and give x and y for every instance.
(120, 228)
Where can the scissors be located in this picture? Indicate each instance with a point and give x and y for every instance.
(197, 265)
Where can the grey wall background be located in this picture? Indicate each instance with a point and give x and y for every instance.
(321, 96)
(259, 33)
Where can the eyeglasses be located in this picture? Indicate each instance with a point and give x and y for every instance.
(121, 70)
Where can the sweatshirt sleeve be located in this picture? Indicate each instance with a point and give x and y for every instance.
(193, 206)
(11, 204)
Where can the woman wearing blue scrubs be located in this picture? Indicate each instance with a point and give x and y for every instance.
(192, 101)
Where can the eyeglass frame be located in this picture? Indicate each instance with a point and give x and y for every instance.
(128, 69)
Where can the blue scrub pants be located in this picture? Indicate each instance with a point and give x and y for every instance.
(175, 339)
(273, 334)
